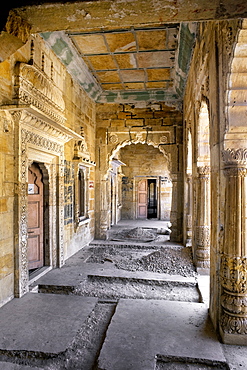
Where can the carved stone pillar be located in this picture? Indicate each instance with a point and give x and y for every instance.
(104, 209)
(233, 272)
(189, 212)
(202, 252)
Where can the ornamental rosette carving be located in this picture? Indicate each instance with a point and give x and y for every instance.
(113, 139)
(163, 139)
(234, 274)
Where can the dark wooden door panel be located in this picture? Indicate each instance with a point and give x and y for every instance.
(35, 218)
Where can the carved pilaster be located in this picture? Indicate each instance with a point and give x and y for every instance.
(202, 230)
(233, 271)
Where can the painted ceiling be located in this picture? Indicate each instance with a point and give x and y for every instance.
(128, 65)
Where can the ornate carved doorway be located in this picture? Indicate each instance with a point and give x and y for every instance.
(35, 217)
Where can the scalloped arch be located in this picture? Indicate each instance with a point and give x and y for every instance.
(139, 141)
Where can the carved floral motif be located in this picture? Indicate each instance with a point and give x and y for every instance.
(234, 297)
(234, 274)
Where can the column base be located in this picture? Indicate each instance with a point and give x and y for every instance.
(233, 339)
(203, 270)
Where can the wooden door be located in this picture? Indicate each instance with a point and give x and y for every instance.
(35, 218)
(142, 199)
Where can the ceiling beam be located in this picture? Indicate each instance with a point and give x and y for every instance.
(95, 15)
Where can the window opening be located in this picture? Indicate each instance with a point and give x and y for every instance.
(81, 194)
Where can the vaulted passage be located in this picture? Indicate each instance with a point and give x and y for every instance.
(123, 184)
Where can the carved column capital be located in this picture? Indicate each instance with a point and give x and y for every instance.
(203, 171)
(235, 157)
(16, 115)
(235, 161)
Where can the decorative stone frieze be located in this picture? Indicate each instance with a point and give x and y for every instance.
(33, 87)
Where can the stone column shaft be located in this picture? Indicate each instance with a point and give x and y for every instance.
(233, 320)
(189, 211)
(202, 252)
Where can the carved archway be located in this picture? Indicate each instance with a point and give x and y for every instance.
(140, 140)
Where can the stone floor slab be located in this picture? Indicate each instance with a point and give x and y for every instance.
(43, 322)
(140, 330)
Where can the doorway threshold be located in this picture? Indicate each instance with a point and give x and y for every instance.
(35, 275)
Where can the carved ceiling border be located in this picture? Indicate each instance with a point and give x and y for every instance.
(33, 87)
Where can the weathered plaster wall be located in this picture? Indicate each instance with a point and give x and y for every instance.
(79, 112)
(157, 125)
(207, 82)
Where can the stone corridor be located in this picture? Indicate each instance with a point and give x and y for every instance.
(89, 314)
(123, 184)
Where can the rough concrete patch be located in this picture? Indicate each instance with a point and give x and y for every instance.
(173, 261)
(137, 234)
(121, 287)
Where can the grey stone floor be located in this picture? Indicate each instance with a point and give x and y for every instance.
(139, 332)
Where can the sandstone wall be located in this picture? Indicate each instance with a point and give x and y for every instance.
(78, 114)
(142, 162)
(157, 125)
